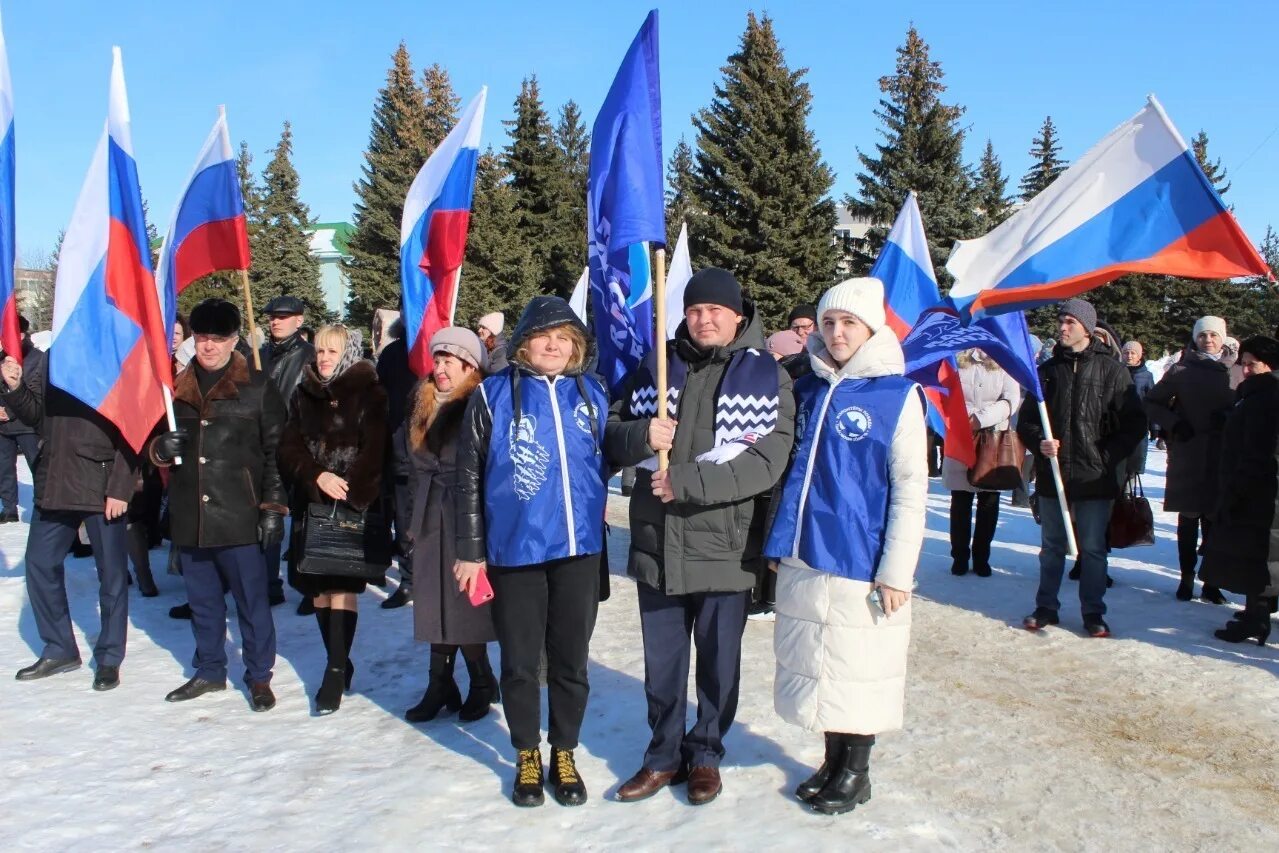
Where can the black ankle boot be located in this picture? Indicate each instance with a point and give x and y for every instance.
(441, 691)
(483, 691)
(849, 783)
(569, 789)
(338, 631)
(1212, 595)
(959, 566)
(813, 785)
(528, 779)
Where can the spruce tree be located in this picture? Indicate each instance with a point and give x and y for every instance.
(441, 105)
(1047, 164)
(990, 192)
(568, 244)
(922, 150)
(281, 246)
(397, 148)
(679, 190)
(534, 163)
(759, 185)
(498, 274)
(1212, 168)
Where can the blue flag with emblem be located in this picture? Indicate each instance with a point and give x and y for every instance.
(625, 206)
(938, 335)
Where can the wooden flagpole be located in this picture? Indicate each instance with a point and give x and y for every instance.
(659, 342)
(253, 326)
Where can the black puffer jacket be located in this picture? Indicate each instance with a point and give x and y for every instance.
(1095, 414)
(710, 537)
(229, 474)
(1237, 546)
(83, 458)
(543, 312)
(284, 362)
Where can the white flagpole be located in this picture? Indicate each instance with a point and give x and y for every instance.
(1072, 548)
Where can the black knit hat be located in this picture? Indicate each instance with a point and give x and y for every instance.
(713, 286)
(1263, 348)
(215, 317)
(802, 312)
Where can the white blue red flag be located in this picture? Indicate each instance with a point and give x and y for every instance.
(1138, 202)
(10, 337)
(208, 232)
(625, 207)
(910, 288)
(437, 213)
(109, 347)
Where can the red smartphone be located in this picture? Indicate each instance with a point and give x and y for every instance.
(483, 590)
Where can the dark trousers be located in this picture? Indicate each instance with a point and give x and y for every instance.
(240, 568)
(28, 444)
(961, 526)
(1188, 544)
(271, 558)
(552, 606)
(402, 499)
(48, 542)
(714, 621)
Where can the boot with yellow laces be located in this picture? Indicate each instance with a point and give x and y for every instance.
(569, 789)
(528, 779)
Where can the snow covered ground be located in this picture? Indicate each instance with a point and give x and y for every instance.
(1160, 738)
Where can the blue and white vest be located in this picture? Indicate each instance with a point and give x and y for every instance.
(834, 501)
(545, 479)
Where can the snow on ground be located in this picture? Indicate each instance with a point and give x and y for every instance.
(1160, 738)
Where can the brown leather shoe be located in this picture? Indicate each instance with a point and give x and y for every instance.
(645, 784)
(703, 785)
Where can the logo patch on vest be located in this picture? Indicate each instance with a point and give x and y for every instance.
(531, 460)
(853, 423)
(582, 417)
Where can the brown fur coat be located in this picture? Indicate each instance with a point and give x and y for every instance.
(342, 428)
(423, 428)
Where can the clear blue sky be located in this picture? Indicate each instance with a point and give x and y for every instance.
(319, 64)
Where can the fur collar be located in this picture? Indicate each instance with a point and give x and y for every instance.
(426, 407)
(186, 388)
(353, 379)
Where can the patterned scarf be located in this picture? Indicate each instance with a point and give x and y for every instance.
(745, 408)
(353, 353)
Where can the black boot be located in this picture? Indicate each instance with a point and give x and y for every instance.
(813, 785)
(984, 531)
(483, 691)
(1187, 542)
(529, 779)
(569, 790)
(323, 615)
(849, 784)
(1252, 624)
(338, 642)
(402, 596)
(1212, 595)
(961, 529)
(441, 691)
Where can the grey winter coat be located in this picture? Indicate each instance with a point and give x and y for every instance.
(1191, 403)
(992, 396)
(709, 538)
(441, 613)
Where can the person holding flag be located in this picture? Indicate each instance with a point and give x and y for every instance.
(1096, 421)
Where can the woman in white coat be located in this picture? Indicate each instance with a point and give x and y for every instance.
(992, 396)
(847, 527)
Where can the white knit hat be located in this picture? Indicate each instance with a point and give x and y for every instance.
(493, 322)
(861, 297)
(1209, 324)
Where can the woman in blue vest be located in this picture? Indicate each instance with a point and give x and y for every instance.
(530, 496)
(847, 529)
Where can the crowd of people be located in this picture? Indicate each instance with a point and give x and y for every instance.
(787, 481)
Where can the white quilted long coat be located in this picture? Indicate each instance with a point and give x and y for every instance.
(841, 664)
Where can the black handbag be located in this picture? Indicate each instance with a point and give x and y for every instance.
(342, 541)
(1131, 521)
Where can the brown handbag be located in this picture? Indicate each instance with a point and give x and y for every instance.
(1131, 520)
(999, 457)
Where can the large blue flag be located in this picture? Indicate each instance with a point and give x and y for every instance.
(625, 205)
(938, 335)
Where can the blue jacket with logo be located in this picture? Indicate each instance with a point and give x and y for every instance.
(833, 507)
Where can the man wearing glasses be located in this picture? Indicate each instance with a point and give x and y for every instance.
(802, 320)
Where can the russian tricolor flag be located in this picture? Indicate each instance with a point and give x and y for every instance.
(10, 337)
(437, 213)
(1136, 203)
(109, 348)
(910, 288)
(208, 231)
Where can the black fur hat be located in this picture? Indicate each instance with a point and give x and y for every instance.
(215, 317)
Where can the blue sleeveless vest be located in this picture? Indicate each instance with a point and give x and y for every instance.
(834, 501)
(545, 479)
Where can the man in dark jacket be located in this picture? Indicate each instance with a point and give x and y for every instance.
(1096, 422)
(16, 435)
(85, 474)
(696, 532)
(226, 500)
(398, 380)
(284, 357)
